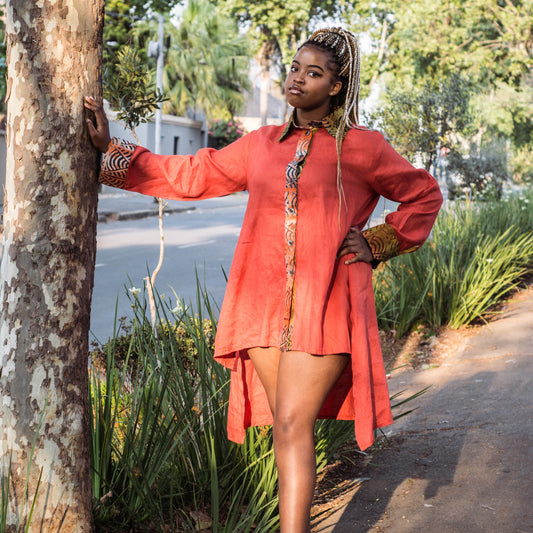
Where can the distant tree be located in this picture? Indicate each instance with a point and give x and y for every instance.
(49, 243)
(487, 40)
(430, 43)
(507, 111)
(419, 121)
(121, 16)
(118, 25)
(374, 21)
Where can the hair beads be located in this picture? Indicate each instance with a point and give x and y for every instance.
(344, 49)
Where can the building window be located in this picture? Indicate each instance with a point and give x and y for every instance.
(176, 143)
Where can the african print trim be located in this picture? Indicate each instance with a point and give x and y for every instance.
(331, 123)
(382, 241)
(116, 162)
(292, 175)
(334, 121)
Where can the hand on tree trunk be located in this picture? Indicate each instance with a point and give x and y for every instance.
(100, 135)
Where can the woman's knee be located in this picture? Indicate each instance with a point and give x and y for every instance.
(292, 426)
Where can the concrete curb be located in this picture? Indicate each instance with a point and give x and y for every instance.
(112, 216)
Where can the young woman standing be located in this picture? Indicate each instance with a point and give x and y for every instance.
(298, 326)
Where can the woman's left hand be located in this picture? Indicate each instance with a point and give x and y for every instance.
(355, 243)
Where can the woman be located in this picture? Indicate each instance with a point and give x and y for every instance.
(298, 326)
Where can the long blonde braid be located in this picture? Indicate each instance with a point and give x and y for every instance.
(344, 49)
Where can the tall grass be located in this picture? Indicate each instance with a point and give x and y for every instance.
(478, 252)
(159, 449)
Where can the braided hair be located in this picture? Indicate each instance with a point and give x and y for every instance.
(343, 49)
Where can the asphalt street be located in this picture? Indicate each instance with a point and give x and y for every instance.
(199, 239)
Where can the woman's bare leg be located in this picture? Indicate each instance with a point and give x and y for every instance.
(302, 384)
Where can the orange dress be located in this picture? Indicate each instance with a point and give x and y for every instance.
(286, 286)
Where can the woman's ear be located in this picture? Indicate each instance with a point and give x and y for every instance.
(335, 88)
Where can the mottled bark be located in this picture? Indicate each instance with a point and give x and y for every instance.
(46, 276)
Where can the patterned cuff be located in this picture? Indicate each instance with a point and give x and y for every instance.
(115, 163)
(382, 241)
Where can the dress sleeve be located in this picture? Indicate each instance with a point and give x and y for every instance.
(420, 199)
(207, 174)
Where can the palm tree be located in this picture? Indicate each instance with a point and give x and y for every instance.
(207, 62)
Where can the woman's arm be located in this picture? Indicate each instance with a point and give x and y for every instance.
(207, 174)
(420, 199)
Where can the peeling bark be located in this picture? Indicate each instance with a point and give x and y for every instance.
(49, 245)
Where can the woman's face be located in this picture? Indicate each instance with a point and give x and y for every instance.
(311, 83)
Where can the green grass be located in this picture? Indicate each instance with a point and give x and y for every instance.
(160, 454)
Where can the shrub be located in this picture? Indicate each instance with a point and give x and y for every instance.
(480, 173)
(223, 132)
(478, 253)
(522, 164)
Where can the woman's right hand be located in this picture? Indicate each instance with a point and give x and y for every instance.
(355, 244)
(100, 136)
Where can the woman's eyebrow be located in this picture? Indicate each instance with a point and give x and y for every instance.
(309, 66)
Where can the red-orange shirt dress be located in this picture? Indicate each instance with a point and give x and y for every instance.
(287, 287)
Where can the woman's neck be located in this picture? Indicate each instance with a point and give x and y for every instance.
(305, 118)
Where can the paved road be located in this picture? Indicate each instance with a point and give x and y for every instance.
(202, 239)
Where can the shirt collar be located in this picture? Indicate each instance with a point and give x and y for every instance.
(331, 123)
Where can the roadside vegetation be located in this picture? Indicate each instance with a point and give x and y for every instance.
(478, 252)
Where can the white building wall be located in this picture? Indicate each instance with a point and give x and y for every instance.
(179, 135)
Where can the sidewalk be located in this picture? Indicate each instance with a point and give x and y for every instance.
(463, 461)
(123, 205)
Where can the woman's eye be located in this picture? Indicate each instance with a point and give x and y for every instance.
(293, 68)
(314, 74)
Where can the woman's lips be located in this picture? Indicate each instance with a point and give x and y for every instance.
(295, 90)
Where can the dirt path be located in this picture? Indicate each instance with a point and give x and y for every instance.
(462, 461)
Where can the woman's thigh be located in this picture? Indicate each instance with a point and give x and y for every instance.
(296, 383)
(304, 382)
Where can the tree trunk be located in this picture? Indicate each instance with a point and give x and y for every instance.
(53, 60)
